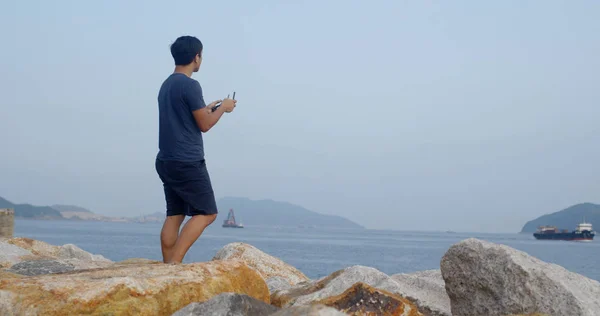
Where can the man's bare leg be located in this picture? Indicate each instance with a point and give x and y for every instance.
(189, 234)
(169, 234)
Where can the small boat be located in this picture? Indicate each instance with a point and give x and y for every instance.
(230, 221)
(583, 232)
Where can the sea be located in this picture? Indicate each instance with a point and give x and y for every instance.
(315, 252)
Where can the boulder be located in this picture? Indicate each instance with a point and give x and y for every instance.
(333, 285)
(16, 250)
(362, 299)
(277, 283)
(312, 310)
(267, 265)
(483, 278)
(143, 289)
(70, 251)
(426, 289)
(230, 304)
(38, 267)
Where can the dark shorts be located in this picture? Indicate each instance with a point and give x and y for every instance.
(187, 186)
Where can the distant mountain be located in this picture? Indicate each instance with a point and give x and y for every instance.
(149, 218)
(249, 212)
(70, 208)
(61, 212)
(79, 213)
(31, 211)
(274, 213)
(568, 218)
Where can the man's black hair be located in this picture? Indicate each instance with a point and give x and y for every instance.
(185, 48)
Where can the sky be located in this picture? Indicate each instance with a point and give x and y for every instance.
(411, 115)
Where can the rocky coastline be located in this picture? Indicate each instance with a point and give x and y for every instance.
(475, 278)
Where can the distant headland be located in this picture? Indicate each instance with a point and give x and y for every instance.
(568, 218)
(249, 212)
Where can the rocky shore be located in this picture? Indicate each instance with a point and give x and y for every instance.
(475, 278)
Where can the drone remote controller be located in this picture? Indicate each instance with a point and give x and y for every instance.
(219, 104)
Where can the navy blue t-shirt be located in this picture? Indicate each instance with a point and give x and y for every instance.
(180, 138)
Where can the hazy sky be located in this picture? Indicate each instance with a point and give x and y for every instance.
(419, 115)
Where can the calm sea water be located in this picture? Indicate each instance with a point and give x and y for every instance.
(315, 252)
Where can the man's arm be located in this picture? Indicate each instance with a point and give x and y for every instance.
(206, 119)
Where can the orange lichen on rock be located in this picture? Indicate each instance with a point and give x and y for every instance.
(364, 300)
(38, 248)
(132, 289)
(138, 261)
(8, 275)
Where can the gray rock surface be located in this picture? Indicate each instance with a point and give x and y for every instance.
(81, 259)
(313, 310)
(228, 304)
(335, 284)
(11, 254)
(277, 283)
(483, 278)
(427, 290)
(16, 250)
(70, 251)
(266, 265)
(38, 267)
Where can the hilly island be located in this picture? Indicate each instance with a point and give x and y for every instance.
(249, 212)
(567, 219)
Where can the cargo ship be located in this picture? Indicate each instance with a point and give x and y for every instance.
(230, 221)
(583, 232)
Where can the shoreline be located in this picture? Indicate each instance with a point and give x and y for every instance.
(449, 233)
(334, 248)
(241, 276)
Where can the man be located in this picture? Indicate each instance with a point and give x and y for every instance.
(180, 164)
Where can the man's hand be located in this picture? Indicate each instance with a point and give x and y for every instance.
(206, 118)
(213, 104)
(228, 105)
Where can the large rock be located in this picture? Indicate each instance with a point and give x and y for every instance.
(334, 285)
(483, 278)
(312, 310)
(362, 299)
(230, 304)
(426, 289)
(267, 265)
(144, 289)
(16, 250)
(70, 251)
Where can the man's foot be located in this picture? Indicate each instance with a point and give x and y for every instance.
(173, 263)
